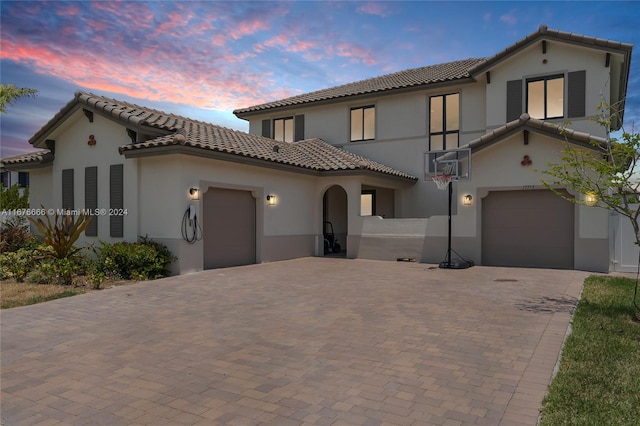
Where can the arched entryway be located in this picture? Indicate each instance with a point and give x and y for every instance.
(335, 223)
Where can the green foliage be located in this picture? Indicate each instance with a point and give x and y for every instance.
(16, 264)
(43, 273)
(10, 198)
(606, 171)
(597, 382)
(14, 236)
(142, 260)
(10, 93)
(62, 234)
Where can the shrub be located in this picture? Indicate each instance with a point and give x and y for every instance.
(16, 264)
(14, 235)
(43, 273)
(142, 260)
(61, 234)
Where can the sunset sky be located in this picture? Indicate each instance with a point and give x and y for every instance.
(202, 59)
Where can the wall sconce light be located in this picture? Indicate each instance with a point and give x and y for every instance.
(194, 193)
(467, 200)
(590, 199)
(271, 200)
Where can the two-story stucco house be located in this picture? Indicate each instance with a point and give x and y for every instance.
(354, 156)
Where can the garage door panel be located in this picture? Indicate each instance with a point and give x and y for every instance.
(527, 229)
(229, 228)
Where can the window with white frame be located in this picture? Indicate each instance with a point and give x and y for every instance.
(444, 124)
(283, 129)
(545, 97)
(363, 123)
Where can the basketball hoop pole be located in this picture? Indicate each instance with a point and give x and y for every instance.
(443, 167)
(449, 233)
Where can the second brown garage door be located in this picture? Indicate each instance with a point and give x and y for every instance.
(527, 229)
(229, 228)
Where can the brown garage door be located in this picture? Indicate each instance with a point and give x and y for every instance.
(229, 228)
(527, 229)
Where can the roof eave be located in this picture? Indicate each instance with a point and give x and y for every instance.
(543, 33)
(245, 113)
(38, 140)
(513, 128)
(45, 161)
(251, 161)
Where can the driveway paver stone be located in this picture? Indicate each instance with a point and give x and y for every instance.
(311, 341)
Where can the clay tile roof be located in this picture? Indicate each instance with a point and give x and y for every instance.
(525, 122)
(35, 158)
(415, 77)
(312, 154)
(545, 33)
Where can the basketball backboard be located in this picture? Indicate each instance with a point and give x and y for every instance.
(456, 162)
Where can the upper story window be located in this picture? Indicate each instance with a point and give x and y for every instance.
(283, 129)
(363, 123)
(444, 125)
(545, 97)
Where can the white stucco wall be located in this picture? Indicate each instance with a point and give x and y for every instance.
(73, 152)
(40, 187)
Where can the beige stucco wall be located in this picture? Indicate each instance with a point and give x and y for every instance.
(498, 167)
(561, 58)
(288, 229)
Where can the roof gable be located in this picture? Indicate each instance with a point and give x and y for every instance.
(544, 33)
(526, 123)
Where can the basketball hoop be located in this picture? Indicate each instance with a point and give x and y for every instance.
(442, 181)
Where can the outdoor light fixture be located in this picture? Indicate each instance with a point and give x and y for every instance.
(467, 200)
(271, 200)
(194, 193)
(590, 199)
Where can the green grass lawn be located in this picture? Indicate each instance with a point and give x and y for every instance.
(598, 382)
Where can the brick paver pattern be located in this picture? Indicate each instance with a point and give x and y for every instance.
(310, 341)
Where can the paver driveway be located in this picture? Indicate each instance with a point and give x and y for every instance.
(308, 341)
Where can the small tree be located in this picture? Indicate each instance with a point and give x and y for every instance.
(605, 173)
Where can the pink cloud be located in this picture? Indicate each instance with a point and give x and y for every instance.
(356, 52)
(245, 28)
(145, 79)
(371, 8)
(72, 10)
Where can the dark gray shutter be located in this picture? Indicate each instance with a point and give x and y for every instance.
(67, 189)
(116, 200)
(299, 128)
(91, 198)
(514, 99)
(576, 90)
(266, 128)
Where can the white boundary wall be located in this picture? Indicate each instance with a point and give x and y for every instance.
(624, 251)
